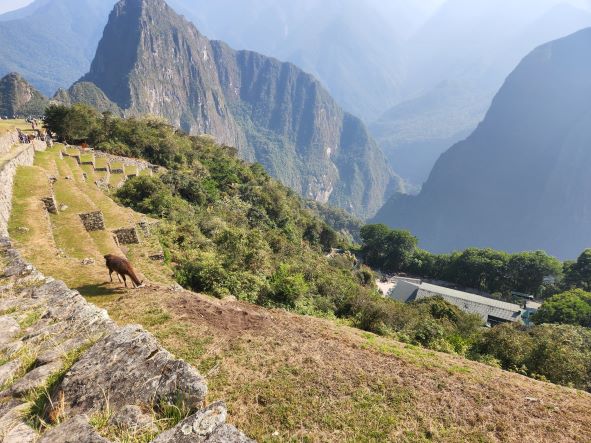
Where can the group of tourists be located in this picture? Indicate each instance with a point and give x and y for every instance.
(38, 134)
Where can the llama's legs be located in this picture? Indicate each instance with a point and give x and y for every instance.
(124, 280)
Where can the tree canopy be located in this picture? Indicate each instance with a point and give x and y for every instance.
(571, 307)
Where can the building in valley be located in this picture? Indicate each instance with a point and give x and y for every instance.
(492, 311)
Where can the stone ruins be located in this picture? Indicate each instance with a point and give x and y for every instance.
(56, 344)
(126, 236)
(93, 221)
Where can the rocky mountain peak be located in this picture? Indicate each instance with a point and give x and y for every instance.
(518, 181)
(18, 97)
(153, 61)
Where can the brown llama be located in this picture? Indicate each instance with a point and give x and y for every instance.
(121, 267)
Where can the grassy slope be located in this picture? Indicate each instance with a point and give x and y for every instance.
(58, 243)
(287, 377)
(11, 125)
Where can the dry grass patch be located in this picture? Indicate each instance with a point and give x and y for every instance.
(292, 378)
(101, 162)
(11, 125)
(115, 180)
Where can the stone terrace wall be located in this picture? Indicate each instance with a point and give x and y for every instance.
(23, 156)
(53, 342)
(7, 140)
(12, 155)
(126, 161)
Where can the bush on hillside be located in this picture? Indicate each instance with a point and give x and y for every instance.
(391, 250)
(571, 307)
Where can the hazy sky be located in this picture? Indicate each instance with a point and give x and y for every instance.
(9, 5)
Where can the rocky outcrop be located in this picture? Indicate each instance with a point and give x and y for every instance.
(153, 61)
(137, 372)
(74, 430)
(17, 97)
(206, 426)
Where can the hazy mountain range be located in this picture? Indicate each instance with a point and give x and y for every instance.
(422, 74)
(456, 62)
(520, 181)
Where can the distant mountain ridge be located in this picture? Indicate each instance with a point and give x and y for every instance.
(50, 43)
(520, 181)
(19, 98)
(458, 61)
(152, 61)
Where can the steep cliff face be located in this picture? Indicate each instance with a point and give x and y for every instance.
(296, 130)
(521, 180)
(17, 97)
(152, 61)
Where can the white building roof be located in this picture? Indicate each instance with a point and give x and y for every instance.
(472, 303)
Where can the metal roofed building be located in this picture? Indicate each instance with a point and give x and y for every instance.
(492, 311)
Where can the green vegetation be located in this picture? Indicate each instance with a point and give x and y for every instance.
(45, 412)
(487, 270)
(559, 353)
(228, 229)
(338, 219)
(571, 307)
(540, 351)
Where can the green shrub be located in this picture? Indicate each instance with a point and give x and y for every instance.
(571, 307)
(287, 287)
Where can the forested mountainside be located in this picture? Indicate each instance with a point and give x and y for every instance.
(517, 183)
(354, 48)
(153, 61)
(17, 97)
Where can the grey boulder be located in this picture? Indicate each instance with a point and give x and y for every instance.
(207, 425)
(129, 366)
(132, 418)
(74, 430)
